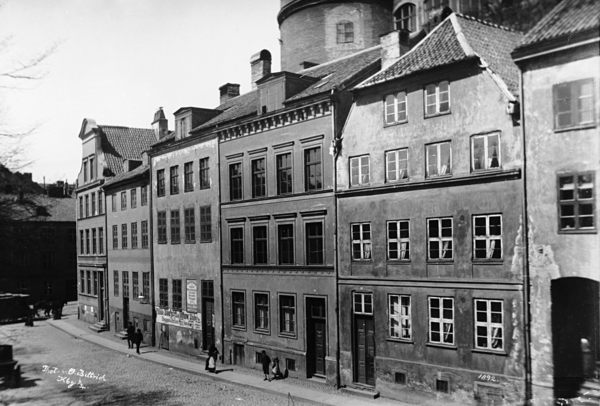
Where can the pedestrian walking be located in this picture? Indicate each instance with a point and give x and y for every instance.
(130, 333)
(211, 361)
(138, 337)
(266, 363)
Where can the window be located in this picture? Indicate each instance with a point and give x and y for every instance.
(87, 205)
(163, 292)
(398, 240)
(92, 168)
(400, 378)
(144, 234)
(188, 177)
(100, 202)
(487, 237)
(359, 170)
(395, 108)
(441, 385)
(146, 285)
(123, 200)
(190, 225)
(439, 159)
(115, 237)
(284, 174)
(406, 18)
(116, 282)
(258, 178)
(175, 227)
(205, 224)
(133, 197)
(136, 285)
(345, 32)
(400, 323)
(489, 327)
(208, 289)
(235, 181)
(113, 202)
(94, 204)
(94, 241)
(125, 284)
(441, 320)
(239, 309)
(485, 150)
(89, 282)
(237, 245)
(204, 174)
(160, 182)
(87, 242)
(574, 104)
(81, 212)
(397, 165)
(177, 294)
(437, 99)
(313, 177)
(361, 241)
(440, 238)
(259, 240)
(174, 181)
(162, 226)
(287, 314)
(134, 236)
(144, 195)
(123, 236)
(82, 283)
(314, 243)
(576, 201)
(363, 303)
(261, 311)
(286, 244)
(100, 240)
(85, 171)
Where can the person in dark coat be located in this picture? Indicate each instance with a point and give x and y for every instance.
(266, 362)
(138, 337)
(130, 333)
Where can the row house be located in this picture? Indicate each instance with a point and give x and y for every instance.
(186, 242)
(429, 235)
(107, 151)
(560, 75)
(128, 249)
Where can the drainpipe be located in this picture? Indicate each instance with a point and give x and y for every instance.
(335, 251)
(151, 246)
(526, 278)
(218, 176)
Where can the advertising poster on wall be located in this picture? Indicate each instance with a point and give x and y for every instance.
(192, 295)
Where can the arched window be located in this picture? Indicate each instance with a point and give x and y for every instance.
(345, 32)
(406, 17)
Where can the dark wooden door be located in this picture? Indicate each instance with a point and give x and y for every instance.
(238, 354)
(364, 350)
(316, 336)
(320, 350)
(125, 312)
(101, 296)
(164, 336)
(208, 328)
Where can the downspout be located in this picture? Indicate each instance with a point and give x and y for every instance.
(218, 154)
(526, 278)
(105, 298)
(151, 246)
(335, 242)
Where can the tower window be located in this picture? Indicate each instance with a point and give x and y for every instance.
(406, 18)
(345, 32)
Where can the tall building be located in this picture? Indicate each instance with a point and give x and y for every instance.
(560, 75)
(107, 151)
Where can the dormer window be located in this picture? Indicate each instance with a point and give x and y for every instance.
(182, 127)
(345, 32)
(406, 17)
(271, 97)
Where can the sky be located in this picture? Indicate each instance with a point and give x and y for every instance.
(117, 62)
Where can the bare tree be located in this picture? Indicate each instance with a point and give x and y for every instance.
(520, 15)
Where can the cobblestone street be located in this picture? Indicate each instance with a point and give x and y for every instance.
(129, 380)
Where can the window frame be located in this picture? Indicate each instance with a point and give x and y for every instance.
(344, 32)
(125, 283)
(437, 99)
(287, 170)
(395, 104)
(486, 158)
(397, 166)
(205, 224)
(440, 239)
(124, 200)
(363, 308)
(145, 236)
(488, 238)
(365, 254)
(257, 242)
(115, 237)
(115, 283)
(174, 180)
(283, 310)
(177, 294)
(124, 241)
(360, 166)
(134, 235)
(236, 242)
(175, 226)
(163, 292)
(442, 320)
(238, 305)
(133, 197)
(400, 317)
(398, 240)
(204, 173)
(160, 183)
(258, 326)
(308, 238)
(576, 202)
(144, 195)
(318, 164)
(188, 177)
(439, 165)
(489, 325)
(574, 104)
(161, 227)
(406, 13)
(236, 182)
(135, 285)
(259, 177)
(280, 242)
(189, 224)
(113, 202)
(100, 240)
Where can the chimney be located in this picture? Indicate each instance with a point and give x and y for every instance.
(260, 64)
(393, 45)
(229, 91)
(160, 124)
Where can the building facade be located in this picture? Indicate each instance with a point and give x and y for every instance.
(429, 222)
(560, 73)
(107, 151)
(186, 242)
(128, 251)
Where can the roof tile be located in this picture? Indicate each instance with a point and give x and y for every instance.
(121, 143)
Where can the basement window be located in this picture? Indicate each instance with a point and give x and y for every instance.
(290, 364)
(400, 378)
(441, 385)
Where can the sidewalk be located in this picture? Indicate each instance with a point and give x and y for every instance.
(151, 354)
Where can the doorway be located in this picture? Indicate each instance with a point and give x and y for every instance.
(364, 350)
(164, 337)
(125, 312)
(208, 323)
(316, 336)
(238, 354)
(101, 304)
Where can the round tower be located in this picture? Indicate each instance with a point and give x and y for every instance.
(318, 31)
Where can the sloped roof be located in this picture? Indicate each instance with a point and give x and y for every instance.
(569, 17)
(458, 38)
(124, 176)
(234, 108)
(121, 143)
(60, 209)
